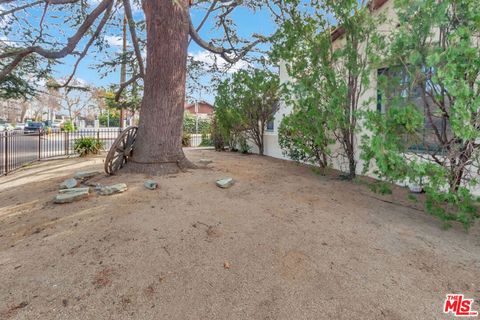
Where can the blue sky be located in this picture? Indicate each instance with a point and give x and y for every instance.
(248, 22)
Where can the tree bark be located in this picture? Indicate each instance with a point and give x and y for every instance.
(158, 148)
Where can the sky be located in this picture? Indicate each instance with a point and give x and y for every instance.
(248, 22)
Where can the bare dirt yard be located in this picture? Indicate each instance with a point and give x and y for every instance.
(282, 243)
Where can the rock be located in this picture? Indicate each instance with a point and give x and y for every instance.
(415, 188)
(81, 175)
(204, 162)
(150, 184)
(225, 183)
(69, 184)
(71, 195)
(74, 190)
(115, 188)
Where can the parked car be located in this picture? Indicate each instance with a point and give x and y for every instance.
(20, 126)
(34, 127)
(8, 127)
(56, 125)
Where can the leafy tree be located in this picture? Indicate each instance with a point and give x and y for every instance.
(23, 82)
(228, 123)
(246, 102)
(329, 72)
(165, 30)
(129, 100)
(429, 128)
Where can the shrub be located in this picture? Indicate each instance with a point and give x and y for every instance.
(206, 141)
(186, 139)
(304, 140)
(217, 137)
(69, 126)
(243, 144)
(87, 145)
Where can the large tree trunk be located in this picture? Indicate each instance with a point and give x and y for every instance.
(158, 148)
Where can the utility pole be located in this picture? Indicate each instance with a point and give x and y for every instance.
(123, 70)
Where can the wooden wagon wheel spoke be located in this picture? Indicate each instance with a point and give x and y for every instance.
(121, 150)
(118, 163)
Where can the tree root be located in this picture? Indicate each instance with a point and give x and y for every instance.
(158, 168)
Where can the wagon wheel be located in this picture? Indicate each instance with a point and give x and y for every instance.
(121, 150)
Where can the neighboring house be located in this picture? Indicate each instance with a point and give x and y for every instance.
(272, 148)
(202, 109)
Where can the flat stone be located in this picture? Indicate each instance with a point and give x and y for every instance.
(115, 188)
(71, 196)
(85, 174)
(74, 190)
(205, 162)
(69, 184)
(150, 184)
(225, 183)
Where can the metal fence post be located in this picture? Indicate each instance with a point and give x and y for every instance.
(39, 143)
(6, 152)
(66, 142)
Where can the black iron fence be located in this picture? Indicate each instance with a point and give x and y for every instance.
(18, 149)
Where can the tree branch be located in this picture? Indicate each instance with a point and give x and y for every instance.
(124, 85)
(133, 35)
(222, 51)
(19, 54)
(90, 42)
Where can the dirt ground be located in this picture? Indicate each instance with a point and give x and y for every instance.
(282, 243)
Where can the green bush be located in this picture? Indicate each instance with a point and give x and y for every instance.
(243, 144)
(186, 139)
(217, 137)
(304, 137)
(87, 145)
(69, 126)
(206, 141)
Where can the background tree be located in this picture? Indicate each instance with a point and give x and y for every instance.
(165, 33)
(251, 100)
(327, 78)
(429, 129)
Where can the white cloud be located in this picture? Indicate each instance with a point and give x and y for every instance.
(211, 59)
(116, 41)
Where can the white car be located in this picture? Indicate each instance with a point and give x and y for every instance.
(20, 126)
(8, 127)
(56, 125)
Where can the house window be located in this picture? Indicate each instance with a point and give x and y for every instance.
(270, 125)
(396, 88)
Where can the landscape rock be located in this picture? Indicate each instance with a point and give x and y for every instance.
(81, 175)
(225, 183)
(71, 195)
(205, 162)
(150, 184)
(115, 188)
(74, 190)
(69, 184)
